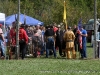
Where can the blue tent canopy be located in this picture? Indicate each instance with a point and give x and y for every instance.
(2, 22)
(23, 19)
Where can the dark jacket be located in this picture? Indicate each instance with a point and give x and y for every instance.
(59, 36)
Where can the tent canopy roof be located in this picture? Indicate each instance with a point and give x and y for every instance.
(23, 19)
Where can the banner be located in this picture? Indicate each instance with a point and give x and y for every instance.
(64, 16)
(79, 32)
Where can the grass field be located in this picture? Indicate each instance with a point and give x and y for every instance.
(51, 66)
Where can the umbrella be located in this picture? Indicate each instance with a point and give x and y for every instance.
(23, 19)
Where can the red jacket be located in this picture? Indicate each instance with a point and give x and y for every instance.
(23, 35)
(55, 29)
(13, 36)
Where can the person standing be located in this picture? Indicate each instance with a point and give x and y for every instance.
(12, 40)
(29, 31)
(23, 40)
(76, 38)
(84, 35)
(50, 41)
(69, 39)
(59, 39)
(2, 49)
(39, 31)
(37, 44)
(43, 42)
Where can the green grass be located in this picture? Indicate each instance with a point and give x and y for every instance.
(51, 66)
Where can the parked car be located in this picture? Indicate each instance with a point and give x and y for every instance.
(90, 28)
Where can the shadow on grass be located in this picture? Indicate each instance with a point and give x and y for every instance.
(89, 46)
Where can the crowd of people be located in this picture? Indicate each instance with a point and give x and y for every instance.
(44, 40)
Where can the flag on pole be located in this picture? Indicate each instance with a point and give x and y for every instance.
(64, 16)
(80, 23)
(79, 32)
(24, 19)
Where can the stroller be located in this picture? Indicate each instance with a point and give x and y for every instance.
(37, 46)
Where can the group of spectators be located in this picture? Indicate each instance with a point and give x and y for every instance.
(44, 40)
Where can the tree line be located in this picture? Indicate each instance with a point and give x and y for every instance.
(50, 11)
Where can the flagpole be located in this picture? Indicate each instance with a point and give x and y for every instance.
(64, 16)
(95, 29)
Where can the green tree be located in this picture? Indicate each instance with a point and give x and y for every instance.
(50, 11)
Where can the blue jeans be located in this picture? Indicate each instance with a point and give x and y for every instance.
(83, 51)
(50, 46)
(43, 48)
(2, 48)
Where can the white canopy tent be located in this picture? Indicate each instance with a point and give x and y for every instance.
(2, 20)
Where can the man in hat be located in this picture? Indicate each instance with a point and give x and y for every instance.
(23, 40)
(59, 39)
(50, 41)
(69, 39)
